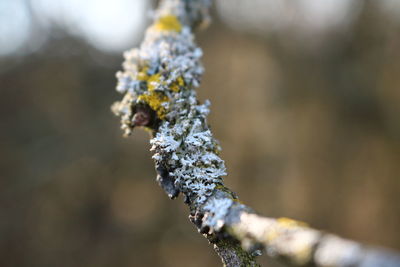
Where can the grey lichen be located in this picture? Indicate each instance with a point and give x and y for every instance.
(216, 212)
(159, 81)
(187, 147)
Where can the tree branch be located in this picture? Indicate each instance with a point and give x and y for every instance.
(159, 82)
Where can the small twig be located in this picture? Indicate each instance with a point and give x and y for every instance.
(159, 82)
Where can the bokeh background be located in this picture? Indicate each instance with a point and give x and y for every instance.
(305, 102)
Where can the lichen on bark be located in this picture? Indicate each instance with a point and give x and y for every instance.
(159, 81)
(161, 77)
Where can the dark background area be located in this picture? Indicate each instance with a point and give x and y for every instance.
(308, 122)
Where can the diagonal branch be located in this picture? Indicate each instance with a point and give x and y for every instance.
(159, 82)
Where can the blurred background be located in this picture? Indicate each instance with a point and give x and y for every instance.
(305, 102)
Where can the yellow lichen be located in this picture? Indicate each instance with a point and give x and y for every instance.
(271, 234)
(303, 255)
(155, 100)
(142, 75)
(282, 225)
(180, 81)
(175, 88)
(220, 187)
(286, 222)
(153, 81)
(168, 23)
(176, 85)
